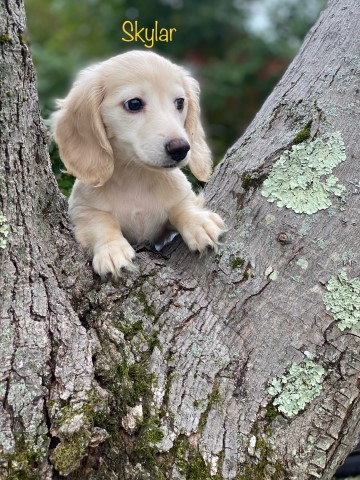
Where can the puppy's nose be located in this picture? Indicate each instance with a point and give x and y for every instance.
(177, 149)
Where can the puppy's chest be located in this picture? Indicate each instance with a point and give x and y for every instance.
(142, 216)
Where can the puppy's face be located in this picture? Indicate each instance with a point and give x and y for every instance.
(145, 120)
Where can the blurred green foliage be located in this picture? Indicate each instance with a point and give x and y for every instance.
(238, 49)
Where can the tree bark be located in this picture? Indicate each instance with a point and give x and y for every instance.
(237, 365)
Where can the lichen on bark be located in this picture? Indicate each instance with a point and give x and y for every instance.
(4, 231)
(300, 386)
(302, 178)
(342, 300)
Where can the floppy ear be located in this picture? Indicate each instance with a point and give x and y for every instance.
(200, 160)
(80, 132)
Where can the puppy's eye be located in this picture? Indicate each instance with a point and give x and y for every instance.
(179, 103)
(134, 105)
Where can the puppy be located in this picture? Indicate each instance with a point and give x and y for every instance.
(124, 131)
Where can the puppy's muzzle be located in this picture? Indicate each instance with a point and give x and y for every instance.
(177, 149)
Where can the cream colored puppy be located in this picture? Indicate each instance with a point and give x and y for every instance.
(124, 130)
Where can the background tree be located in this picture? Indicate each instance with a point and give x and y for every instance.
(238, 365)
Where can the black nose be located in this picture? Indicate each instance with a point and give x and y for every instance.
(177, 149)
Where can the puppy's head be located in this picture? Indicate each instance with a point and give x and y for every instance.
(136, 107)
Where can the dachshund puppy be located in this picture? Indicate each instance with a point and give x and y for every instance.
(124, 131)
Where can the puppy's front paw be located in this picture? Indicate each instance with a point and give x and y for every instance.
(202, 231)
(111, 257)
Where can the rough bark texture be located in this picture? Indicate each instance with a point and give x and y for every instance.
(169, 374)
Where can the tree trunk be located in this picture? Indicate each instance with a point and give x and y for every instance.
(237, 365)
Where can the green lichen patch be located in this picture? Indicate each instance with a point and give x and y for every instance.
(73, 425)
(342, 299)
(349, 258)
(263, 465)
(237, 262)
(133, 381)
(304, 134)
(213, 400)
(269, 219)
(189, 461)
(5, 38)
(302, 178)
(149, 310)
(131, 385)
(196, 467)
(246, 181)
(271, 412)
(302, 263)
(4, 231)
(187, 458)
(28, 456)
(253, 180)
(166, 399)
(144, 449)
(69, 453)
(300, 386)
(132, 419)
(130, 330)
(274, 275)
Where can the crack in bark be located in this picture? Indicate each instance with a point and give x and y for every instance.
(256, 294)
(186, 323)
(9, 11)
(237, 393)
(293, 84)
(344, 427)
(7, 407)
